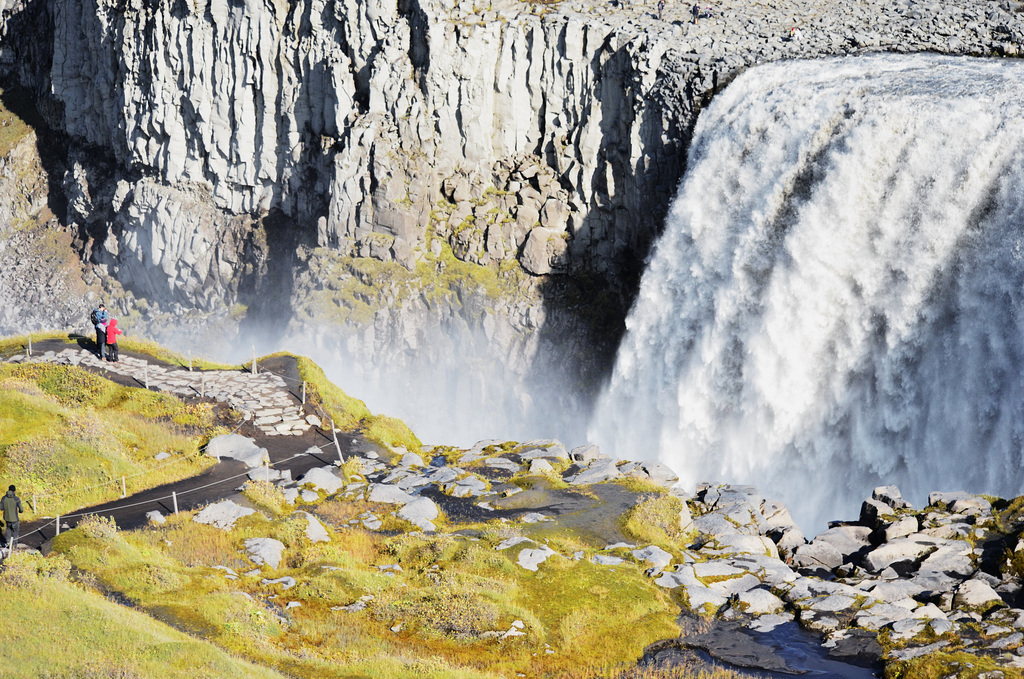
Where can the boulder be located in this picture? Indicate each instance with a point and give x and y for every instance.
(421, 512)
(891, 496)
(946, 499)
(540, 466)
(848, 540)
(411, 460)
(598, 471)
(715, 525)
(817, 555)
(544, 252)
(657, 557)
(759, 601)
(607, 560)
(222, 514)
(738, 543)
(971, 505)
(238, 447)
(874, 512)
(908, 550)
(976, 595)
(323, 478)
(656, 472)
(902, 527)
(470, 485)
(502, 463)
(532, 558)
(264, 551)
(549, 448)
(155, 517)
(388, 494)
(787, 539)
(585, 454)
(269, 475)
(315, 531)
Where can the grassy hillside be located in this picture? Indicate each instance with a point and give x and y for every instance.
(54, 628)
(67, 436)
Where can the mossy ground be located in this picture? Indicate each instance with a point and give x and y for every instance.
(437, 616)
(56, 628)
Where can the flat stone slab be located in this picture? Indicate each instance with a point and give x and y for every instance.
(388, 494)
(323, 478)
(508, 543)
(265, 551)
(532, 558)
(598, 472)
(315, 531)
(222, 515)
(421, 512)
(655, 556)
(543, 448)
(502, 463)
(238, 447)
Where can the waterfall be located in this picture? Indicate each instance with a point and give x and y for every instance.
(837, 301)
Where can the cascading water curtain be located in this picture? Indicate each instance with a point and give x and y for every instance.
(837, 301)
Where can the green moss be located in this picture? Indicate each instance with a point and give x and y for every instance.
(12, 129)
(655, 520)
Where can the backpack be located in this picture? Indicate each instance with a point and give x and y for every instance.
(94, 316)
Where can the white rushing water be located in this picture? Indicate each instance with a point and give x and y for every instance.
(837, 301)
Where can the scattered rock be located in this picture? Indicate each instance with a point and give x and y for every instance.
(222, 514)
(265, 551)
(238, 447)
(420, 512)
(324, 479)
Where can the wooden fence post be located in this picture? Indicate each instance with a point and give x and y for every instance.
(337, 446)
(174, 497)
(124, 488)
(303, 392)
(58, 524)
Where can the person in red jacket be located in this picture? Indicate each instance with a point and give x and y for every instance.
(112, 332)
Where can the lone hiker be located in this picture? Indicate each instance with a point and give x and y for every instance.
(11, 505)
(112, 332)
(99, 318)
(695, 11)
(661, 9)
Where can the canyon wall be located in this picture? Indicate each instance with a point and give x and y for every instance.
(244, 157)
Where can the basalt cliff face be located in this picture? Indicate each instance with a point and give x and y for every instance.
(350, 160)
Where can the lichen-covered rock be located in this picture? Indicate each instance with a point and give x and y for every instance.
(421, 512)
(265, 551)
(323, 478)
(222, 514)
(238, 447)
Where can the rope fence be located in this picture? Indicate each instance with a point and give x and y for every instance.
(254, 369)
(173, 497)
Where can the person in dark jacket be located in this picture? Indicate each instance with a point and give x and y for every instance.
(11, 506)
(112, 332)
(99, 317)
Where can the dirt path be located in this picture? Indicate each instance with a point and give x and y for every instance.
(270, 401)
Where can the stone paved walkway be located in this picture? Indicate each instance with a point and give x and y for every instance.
(264, 396)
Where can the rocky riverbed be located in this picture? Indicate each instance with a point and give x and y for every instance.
(895, 585)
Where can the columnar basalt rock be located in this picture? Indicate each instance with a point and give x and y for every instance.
(547, 139)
